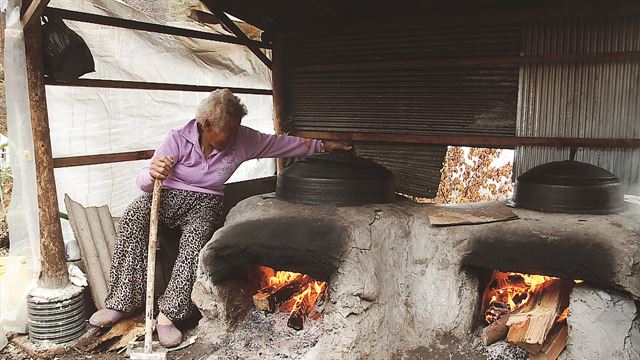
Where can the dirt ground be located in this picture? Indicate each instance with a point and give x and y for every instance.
(447, 348)
(198, 350)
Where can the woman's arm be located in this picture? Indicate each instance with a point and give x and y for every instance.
(260, 145)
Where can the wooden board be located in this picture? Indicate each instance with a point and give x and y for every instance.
(473, 213)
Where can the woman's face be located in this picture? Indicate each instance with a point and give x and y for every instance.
(220, 139)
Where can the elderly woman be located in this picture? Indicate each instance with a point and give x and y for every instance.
(194, 161)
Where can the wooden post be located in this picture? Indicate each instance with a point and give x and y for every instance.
(278, 88)
(53, 272)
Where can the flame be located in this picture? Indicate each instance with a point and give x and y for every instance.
(308, 298)
(304, 300)
(282, 278)
(562, 317)
(509, 291)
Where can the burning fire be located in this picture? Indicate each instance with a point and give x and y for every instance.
(509, 291)
(562, 317)
(309, 297)
(291, 292)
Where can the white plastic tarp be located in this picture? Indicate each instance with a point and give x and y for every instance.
(87, 121)
(23, 211)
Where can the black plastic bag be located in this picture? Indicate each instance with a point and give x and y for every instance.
(65, 54)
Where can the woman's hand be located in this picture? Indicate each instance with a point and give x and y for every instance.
(160, 167)
(333, 145)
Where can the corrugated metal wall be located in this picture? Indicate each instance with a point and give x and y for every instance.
(471, 100)
(591, 100)
(416, 168)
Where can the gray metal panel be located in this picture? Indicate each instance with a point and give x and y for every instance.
(470, 100)
(590, 100)
(436, 101)
(416, 168)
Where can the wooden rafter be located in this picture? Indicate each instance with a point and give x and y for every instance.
(33, 12)
(156, 28)
(122, 84)
(101, 158)
(229, 24)
(474, 140)
(464, 62)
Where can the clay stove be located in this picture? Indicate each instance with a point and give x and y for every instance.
(398, 286)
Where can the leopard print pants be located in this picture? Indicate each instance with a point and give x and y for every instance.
(195, 214)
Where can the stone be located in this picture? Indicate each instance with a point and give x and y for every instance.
(600, 322)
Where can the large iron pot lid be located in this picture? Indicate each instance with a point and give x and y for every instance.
(570, 187)
(336, 178)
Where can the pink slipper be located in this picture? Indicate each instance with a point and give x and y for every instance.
(107, 317)
(169, 335)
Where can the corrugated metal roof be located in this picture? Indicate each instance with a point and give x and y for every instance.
(590, 100)
(95, 230)
(293, 15)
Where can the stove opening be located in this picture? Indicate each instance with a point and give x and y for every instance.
(526, 310)
(299, 295)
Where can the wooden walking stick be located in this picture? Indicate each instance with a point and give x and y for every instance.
(151, 265)
(151, 272)
(147, 351)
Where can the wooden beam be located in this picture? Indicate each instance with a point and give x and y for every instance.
(155, 28)
(33, 12)
(278, 84)
(236, 30)
(53, 269)
(471, 140)
(121, 84)
(101, 158)
(464, 62)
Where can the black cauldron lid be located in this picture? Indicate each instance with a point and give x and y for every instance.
(569, 186)
(335, 178)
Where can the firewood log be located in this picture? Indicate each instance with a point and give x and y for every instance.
(268, 299)
(296, 320)
(556, 342)
(530, 325)
(495, 331)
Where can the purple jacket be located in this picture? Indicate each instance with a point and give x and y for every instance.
(192, 171)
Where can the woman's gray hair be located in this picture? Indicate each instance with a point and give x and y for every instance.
(220, 107)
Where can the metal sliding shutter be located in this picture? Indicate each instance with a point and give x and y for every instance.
(429, 100)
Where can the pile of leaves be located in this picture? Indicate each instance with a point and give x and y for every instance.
(472, 175)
